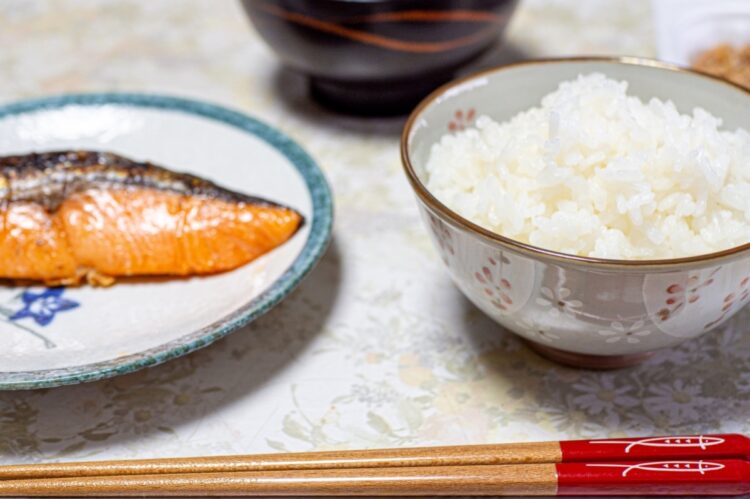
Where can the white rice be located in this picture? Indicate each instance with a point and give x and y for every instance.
(598, 173)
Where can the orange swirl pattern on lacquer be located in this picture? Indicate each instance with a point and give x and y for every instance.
(430, 15)
(401, 16)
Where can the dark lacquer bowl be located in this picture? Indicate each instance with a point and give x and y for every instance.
(378, 56)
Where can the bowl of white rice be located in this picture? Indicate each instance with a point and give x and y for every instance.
(599, 208)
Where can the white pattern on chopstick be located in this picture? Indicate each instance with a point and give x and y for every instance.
(699, 441)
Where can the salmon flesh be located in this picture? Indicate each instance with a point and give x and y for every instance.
(73, 216)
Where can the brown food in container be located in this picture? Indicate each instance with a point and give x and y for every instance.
(726, 61)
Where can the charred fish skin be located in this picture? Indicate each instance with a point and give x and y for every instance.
(73, 216)
(49, 178)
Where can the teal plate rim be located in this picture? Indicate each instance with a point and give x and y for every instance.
(315, 246)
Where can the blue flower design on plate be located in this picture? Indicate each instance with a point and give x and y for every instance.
(42, 307)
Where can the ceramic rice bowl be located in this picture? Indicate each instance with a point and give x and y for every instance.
(584, 311)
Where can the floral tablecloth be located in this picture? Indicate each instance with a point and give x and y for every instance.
(376, 348)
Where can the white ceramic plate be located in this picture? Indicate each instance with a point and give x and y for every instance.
(51, 337)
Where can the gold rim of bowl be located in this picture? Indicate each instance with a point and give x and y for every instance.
(527, 249)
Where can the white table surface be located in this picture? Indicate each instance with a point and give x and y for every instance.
(376, 348)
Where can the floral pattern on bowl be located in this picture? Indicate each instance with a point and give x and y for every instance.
(571, 308)
(578, 310)
(717, 293)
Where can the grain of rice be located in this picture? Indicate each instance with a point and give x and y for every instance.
(596, 172)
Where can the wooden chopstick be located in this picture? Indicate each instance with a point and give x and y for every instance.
(728, 446)
(536, 479)
(520, 453)
(728, 477)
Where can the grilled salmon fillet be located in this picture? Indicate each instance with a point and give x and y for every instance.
(71, 216)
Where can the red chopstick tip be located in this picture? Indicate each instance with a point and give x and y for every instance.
(719, 446)
(658, 477)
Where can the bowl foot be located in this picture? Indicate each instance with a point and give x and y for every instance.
(587, 361)
(383, 98)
